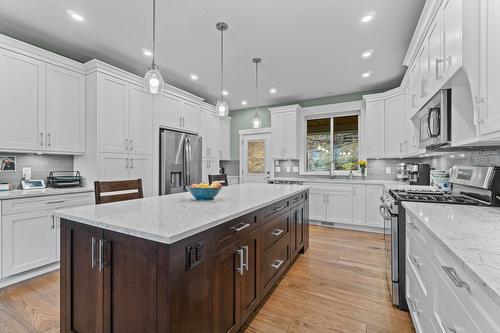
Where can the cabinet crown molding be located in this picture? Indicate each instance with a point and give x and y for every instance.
(384, 95)
(286, 108)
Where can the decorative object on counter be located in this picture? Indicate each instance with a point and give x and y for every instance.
(6, 187)
(153, 81)
(441, 180)
(419, 174)
(256, 122)
(205, 191)
(64, 179)
(362, 167)
(402, 172)
(35, 184)
(222, 108)
(7, 163)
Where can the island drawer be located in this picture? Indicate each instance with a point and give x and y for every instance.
(275, 209)
(274, 262)
(233, 230)
(275, 229)
(25, 205)
(297, 199)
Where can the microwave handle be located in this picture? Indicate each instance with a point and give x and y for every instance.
(431, 110)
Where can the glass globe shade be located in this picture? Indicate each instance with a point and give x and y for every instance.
(153, 81)
(256, 123)
(222, 108)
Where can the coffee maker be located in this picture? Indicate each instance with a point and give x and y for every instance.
(419, 174)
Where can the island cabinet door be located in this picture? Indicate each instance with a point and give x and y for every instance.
(130, 283)
(81, 280)
(297, 229)
(249, 281)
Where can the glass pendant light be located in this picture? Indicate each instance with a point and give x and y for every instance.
(153, 81)
(256, 122)
(222, 108)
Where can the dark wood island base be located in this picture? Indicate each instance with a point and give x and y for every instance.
(210, 282)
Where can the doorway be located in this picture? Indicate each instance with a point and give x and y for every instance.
(255, 155)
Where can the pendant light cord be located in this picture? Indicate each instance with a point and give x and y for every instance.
(154, 31)
(256, 88)
(221, 64)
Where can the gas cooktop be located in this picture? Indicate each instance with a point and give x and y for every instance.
(435, 196)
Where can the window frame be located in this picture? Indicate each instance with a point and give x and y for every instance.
(331, 111)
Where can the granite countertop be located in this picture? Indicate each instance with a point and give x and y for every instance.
(356, 180)
(17, 194)
(173, 217)
(470, 234)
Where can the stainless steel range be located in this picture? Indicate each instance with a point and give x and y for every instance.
(478, 186)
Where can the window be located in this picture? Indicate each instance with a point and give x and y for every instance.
(332, 143)
(256, 157)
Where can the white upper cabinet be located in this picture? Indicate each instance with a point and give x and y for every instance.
(140, 121)
(210, 134)
(284, 132)
(489, 102)
(435, 44)
(113, 114)
(190, 116)
(395, 114)
(224, 138)
(22, 102)
(423, 72)
(452, 13)
(375, 128)
(65, 110)
(178, 113)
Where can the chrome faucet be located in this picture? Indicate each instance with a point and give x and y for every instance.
(332, 166)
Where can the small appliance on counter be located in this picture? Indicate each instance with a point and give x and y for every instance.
(402, 172)
(32, 184)
(419, 174)
(58, 179)
(6, 187)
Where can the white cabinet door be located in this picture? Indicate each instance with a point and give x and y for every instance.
(140, 120)
(65, 110)
(452, 34)
(435, 42)
(191, 117)
(423, 67)
(169, 109)
(394, 125)
(113, 118)
(224, 138)
(210, 134)
(113, 166)
(490, 67)
(209, 167)
(141, 167)
(28, 241)
(317, 205)
(339, 207)
(373, 194)
(277, 136)
(290, 135)
(22, 102)
(358, 204)
(413, 87)
(375, 128)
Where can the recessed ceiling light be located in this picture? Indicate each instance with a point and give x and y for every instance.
(367, 54)
(244, 102)
(75, 16)
(366, 74)
(272, 90)
(368, 17)
(194, 77)
(147, 53)
(224, 92)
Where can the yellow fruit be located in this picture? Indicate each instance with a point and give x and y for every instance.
(194, 186)
(202, 185)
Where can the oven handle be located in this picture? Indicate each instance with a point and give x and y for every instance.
(382, 211)
(394, 249)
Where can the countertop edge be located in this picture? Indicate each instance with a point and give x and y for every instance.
(170, 240)
(490, 291)
(37, 193)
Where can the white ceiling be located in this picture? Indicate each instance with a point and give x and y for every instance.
(310, 48)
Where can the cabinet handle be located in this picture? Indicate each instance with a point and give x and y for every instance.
(101, 255)
(448, 329)
(415, 261)
(48, 140)
(180, 121)
(423, 83)
(53, 222)
(245, 249)
(277, 232)
(131, 144)
(126, 144)
(55, 202)
(277, 209)
(126, 163)
(183, 122)
(414, 227)
(41, 138)
(92, 252)
(242, 264)
(277, 263)
(413, 103)
(240, 227)
(400, 147)
(131, 163)
(438, 62)
(477, 110)
(453, 275)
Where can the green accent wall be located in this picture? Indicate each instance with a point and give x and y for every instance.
(241, 119)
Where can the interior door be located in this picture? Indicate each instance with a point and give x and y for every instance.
(255, 158)
(140, 121)
(65, 111)
(22, 102)
(113, 114)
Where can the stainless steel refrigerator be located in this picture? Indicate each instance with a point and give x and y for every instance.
(180, 161)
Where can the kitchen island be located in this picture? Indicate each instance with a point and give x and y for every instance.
(173, 264)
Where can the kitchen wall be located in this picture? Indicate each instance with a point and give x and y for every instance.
(484, 156)
(287, 168)
(241, 119)
(40, 166)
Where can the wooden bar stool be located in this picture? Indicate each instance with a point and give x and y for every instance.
(122, 189)
(218, 178)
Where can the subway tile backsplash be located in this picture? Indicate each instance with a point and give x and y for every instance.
(286, 168)
(40, 166)
(231, 167)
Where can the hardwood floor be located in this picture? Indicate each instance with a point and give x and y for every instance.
(338, 286)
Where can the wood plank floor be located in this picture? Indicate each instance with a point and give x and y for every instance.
(338, 286)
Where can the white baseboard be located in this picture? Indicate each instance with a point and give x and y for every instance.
(355, 227)
(28, 275)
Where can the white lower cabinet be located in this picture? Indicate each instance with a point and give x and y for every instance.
(317, 205)
(441, 296)
(359, 204)
(339, 206)
(372, 215)
(209, 167)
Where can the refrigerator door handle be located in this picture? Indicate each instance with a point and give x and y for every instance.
(189, 161)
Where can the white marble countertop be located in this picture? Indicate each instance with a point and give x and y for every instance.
(16, 194)
(356, 180)
(173, 217)
(470, 234)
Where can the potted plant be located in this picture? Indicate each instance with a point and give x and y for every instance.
(362, 167)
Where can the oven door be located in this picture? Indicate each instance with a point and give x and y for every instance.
(391, 252)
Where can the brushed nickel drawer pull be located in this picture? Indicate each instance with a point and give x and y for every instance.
(453, 275)
(242, 264)
(240, 226)
(245, 249)
(277, 232)
(55, 202)
(101, 255)
(276, 209)
(92, 252)
(277, 263)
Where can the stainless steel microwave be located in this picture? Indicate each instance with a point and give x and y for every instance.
(434, 121)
